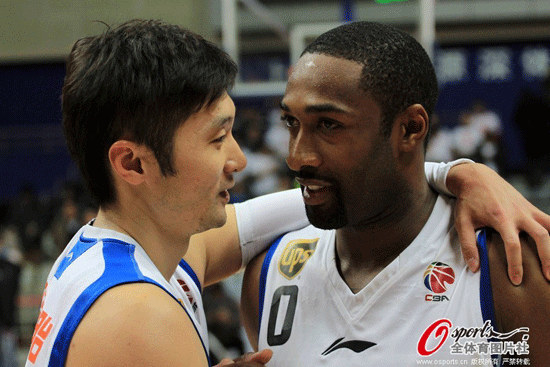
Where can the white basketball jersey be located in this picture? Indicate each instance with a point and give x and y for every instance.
(96, 260)
(412, 313)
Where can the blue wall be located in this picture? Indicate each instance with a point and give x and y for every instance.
(32, 149)
(497, 74)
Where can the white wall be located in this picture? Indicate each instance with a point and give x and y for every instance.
(46, 29)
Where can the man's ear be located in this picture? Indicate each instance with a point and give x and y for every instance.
(414, 127)
(126, 161)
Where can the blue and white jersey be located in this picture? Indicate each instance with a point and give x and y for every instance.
(94, 261)
(425, 307)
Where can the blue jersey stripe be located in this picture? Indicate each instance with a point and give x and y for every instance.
(120, 268)
(263, 278)
(485, 288)
(189, 270)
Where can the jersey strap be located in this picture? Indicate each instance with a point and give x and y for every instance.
(120, 268)
(263, 277)
(485, 288)
(189, 270)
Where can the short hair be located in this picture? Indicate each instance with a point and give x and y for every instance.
(397, 71)
(139, 81)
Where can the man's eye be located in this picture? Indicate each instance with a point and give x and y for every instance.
(220, 139)
(329, 124)
(289, 121)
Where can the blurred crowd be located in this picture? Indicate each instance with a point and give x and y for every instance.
(264, 140)
(33, 232)
(477, 136)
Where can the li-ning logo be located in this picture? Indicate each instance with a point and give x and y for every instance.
(295, 255)
(437, 275)
(357, 346)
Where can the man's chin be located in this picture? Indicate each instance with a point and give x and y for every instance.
(215, 220)
(326, 219)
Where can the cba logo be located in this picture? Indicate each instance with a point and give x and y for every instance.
(437, 275)
(295, 255)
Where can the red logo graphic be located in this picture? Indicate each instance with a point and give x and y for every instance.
(43, 327)
(188, 293)
(437, 275)
(440, 329)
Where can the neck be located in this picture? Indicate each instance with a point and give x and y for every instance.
(162, 249)
(362, 252)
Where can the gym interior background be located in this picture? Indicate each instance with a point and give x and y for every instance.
(492, 58)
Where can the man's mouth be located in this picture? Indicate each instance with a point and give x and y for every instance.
(225, 196)
(225, 193)
(315, 192)
(314, 187)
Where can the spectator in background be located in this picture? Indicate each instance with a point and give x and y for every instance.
(488, 122)
(69, 210)
(532, 117)
(224, 325)
(276, 136)
(27, 216)
(10, 270)
(478, 135)
(65, 224)
(260, 175)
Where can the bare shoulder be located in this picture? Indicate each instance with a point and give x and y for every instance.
(526, 305)
(250, 298)
(136, 324)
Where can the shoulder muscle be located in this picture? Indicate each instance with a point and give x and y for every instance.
(136, 324)
(526, 305)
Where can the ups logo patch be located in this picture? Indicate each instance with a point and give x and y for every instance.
(295, 255)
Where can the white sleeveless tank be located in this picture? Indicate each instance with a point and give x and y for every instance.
(94, 261)
(412, 313)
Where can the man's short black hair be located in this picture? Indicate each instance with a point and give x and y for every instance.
(139, 81)
(397, 71)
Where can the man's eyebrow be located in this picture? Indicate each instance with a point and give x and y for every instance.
(221, 121)
(326, 107)
(318, 108)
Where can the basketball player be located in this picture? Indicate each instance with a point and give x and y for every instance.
(378, 278)
(148, 120)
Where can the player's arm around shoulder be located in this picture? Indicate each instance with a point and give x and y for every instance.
(250, 299)
(526, 305)
(136, 324)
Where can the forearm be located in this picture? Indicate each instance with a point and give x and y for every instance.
(261, 220)
(250, 228)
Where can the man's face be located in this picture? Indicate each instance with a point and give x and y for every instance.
(205, 157)
(342, 162)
